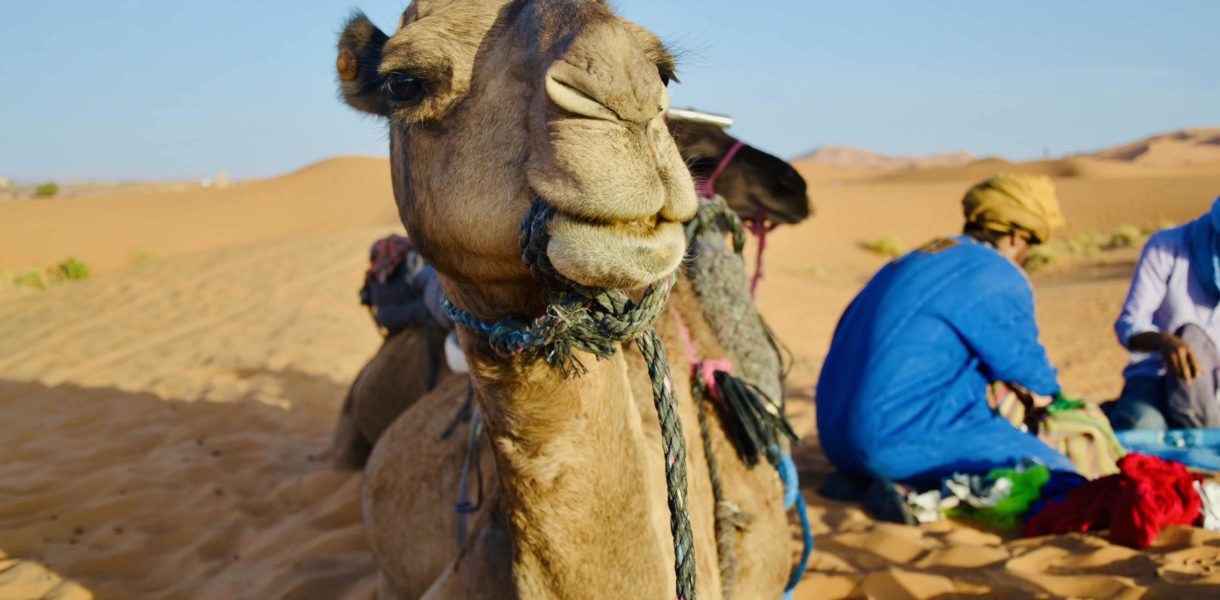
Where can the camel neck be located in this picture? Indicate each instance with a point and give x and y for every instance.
(570, 454)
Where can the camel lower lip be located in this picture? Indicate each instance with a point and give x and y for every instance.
(614, 256)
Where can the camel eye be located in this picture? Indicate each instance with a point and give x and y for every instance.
(404, 89)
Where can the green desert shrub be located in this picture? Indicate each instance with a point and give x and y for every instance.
(46, 190)
(1126, 237)
(886, 245)
(33, 279)
(72, 269)
(1085, 243)
(1042, 257)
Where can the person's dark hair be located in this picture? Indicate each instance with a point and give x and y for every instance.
(993, 236)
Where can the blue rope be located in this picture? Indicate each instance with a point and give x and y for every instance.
(793, 499)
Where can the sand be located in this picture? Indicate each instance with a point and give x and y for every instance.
(167, 423)
(110, 232)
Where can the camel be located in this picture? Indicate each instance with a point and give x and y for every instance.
(491, 106)
(753, 183)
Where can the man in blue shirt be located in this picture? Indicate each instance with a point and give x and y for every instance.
(1171, 324)
(903, 393)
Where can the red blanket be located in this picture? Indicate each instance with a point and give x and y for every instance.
(1147, 495)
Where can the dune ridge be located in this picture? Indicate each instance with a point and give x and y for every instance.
(859, 158)
(1192, 146)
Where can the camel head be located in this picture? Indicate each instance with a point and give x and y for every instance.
(492, 103)
(754, 180)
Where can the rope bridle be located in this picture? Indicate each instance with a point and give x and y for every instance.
(596, 321)
(753, 423)
(758, 225)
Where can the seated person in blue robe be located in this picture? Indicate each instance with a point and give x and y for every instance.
(903, 392)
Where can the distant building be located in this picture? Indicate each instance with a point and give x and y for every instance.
(5, 183)
(222, 180)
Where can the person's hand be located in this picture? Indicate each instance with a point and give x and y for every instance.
(1029, 398)
(1179, 358)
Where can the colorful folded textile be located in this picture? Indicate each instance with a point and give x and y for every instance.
(1005, 500)
(999, 499)
(1078, 429)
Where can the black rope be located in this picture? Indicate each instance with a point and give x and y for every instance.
(463, 415)
(434, 363)
(474, 461)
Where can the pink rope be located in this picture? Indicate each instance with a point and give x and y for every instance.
(688, 343)
(707, 187)
(705, 370)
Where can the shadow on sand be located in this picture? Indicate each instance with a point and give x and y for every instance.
(136, 496)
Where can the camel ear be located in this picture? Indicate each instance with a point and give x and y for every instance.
(360, 47)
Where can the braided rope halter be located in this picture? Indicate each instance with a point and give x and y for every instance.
(595, 321)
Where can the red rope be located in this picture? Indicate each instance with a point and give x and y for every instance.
(760, 228)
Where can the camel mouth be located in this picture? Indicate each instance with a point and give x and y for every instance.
(776, 213)
(624, 255)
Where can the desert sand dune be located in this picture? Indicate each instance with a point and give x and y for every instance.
(110, 231)
(1185, 152)
(1194, 146)
(1079, 166)
(167, 421)
(846, 156)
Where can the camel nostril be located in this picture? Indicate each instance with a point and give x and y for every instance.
(572, 97)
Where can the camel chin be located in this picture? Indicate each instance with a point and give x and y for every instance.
(623, 256)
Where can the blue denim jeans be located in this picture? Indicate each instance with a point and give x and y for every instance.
(1141, 406)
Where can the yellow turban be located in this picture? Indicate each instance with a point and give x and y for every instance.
(1008, 202)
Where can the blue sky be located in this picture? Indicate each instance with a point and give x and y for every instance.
(135, 89)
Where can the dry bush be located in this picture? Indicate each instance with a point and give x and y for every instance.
(886, 245)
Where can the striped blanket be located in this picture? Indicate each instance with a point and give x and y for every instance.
(1082, 432)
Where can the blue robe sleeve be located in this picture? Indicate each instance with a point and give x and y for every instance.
(997, 323)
